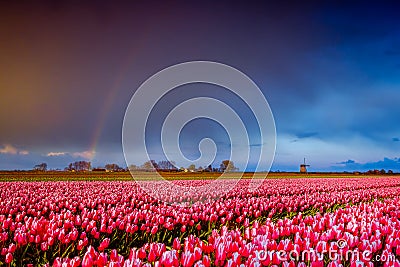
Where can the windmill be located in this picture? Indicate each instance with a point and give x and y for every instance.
(303, 167)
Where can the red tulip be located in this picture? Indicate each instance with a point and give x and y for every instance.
(187, 259)
(176, 244)
(206, 261)
(44, 246)
(142, 253)
(104, 244)
(114, 255)
(9, 258)
(87, 260)
(154, 230)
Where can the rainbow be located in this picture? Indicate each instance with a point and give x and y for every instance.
(109, 101)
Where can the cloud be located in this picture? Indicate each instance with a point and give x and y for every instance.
(350, 161)
(24, 152)
(84, 154)
(10, 149)
(303, 135)
(56, 154)
(306, 134)
(258, 144)
(396, 139)
(386, 163)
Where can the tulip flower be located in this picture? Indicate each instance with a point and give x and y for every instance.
(87, 260)
(9, 257)
(104, 244)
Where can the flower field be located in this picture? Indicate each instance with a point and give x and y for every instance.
(285, 222)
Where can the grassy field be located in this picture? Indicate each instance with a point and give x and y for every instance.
(126, 176)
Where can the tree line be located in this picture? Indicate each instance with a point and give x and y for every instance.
(151, 165)
(165, 165)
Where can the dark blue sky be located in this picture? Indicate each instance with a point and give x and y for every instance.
(330, 72)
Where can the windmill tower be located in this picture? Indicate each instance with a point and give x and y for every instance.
(303, 167)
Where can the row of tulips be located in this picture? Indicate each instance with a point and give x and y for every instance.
(45, 222)
(370, 233)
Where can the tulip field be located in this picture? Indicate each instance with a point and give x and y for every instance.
(285, 222)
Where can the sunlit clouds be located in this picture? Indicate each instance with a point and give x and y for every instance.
(10, 149)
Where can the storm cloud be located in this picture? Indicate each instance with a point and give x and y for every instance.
(329, 71)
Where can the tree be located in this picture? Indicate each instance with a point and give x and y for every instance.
(390, 172)
(147, 166)
(79, 166)
(209, 168)
(133, 167)
(154, 163)
(192, 167)
(42, 167)
(228, 166)
(166, 165)
(112, 167)
(383, 171)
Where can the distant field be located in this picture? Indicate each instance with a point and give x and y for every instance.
(126, 176)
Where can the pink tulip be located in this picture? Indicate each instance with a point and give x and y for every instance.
(187, 259)
(87, 260)
(176, 244)
(104, 244)
(44, 246)
(9, 258)
(142, 253)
